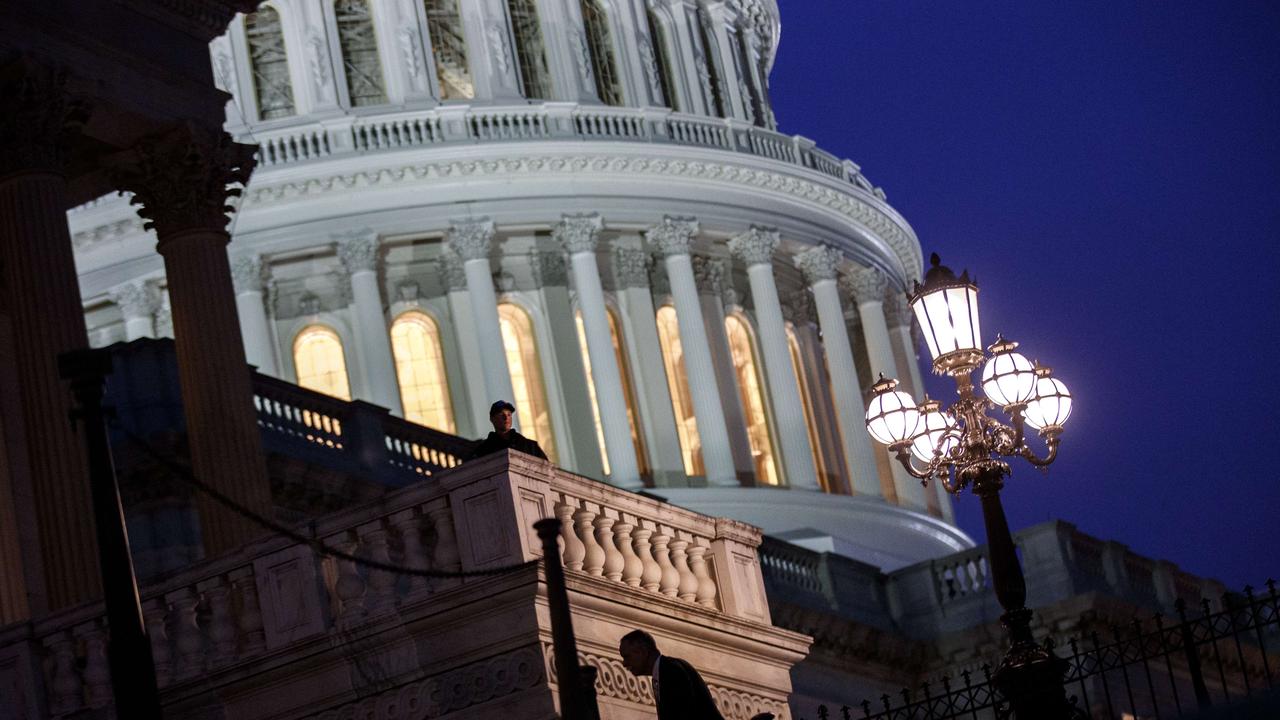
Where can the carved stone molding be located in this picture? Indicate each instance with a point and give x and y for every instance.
(755, 246)
(179, 178)
(408, 291)
(866, 285)
(797, 307)
(673, 235)
(497, 34)
(358, 250)
(582, 55)
(818, 263)
(107, 232)
(471, 238)
(631, 267)
(550, 267)
(38, 116)
(137, 299)
(650, 63)
(248, 273)
(708, 274)
(450, 691)
(847, 203)
(578, 233)
(897, 313)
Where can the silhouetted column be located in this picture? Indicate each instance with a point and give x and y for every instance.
(180, 178)
(868, 286)
(248, 278)
(358, 252)
(819, 267)
(471, 240)
(138, 302)
(578, 235)
(42, 300)
(672, 238)
(755, 248)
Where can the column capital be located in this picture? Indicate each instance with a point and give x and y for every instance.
(578, 233)
(866, 285)
(798, 307)
(471, 238)
(137, 299)
(248, 273)
(818, 263)
(673, 235)
(897, 313)
(755, 246)
(451, 270)
(708, 275)
(179, 178)
(39, 115)
(550, 267)
(631, 267)
(358, 250)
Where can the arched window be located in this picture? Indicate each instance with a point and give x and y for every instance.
(678, 384)
(359, 45)
(600, 46)
(628, 394)
(449, 48)
(526, 376)
(666, 81)
(810, 418)
(269, 64)
(530, 51)
(415, 343)
(750, 389)
(710, 72)
(320, 363)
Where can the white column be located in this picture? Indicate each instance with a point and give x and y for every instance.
(471, 239)
(709, 275)
(672, 238)
(248, 277)
(455, 280)
(868, 286)
(899, 317)
(138, 302)
(578, 234)
(755, 248)
(819, 267)
(568, 57)
(655, 416)
(358, 252)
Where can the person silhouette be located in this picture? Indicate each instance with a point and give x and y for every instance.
(678, 690)
(504, 435)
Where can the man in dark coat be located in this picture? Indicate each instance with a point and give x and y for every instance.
(504, 435)
(678, 689)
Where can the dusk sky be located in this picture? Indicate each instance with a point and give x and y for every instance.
(1110, 172)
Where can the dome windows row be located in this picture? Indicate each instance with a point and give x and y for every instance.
(300, 57)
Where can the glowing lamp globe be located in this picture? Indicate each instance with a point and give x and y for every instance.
(947, 308)
(892, 416)
(1008, 378)
(936, 433)
(1051, 406)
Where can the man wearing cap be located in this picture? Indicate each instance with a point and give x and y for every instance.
(504, 435)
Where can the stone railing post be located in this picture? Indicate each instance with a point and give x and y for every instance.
(734, 552)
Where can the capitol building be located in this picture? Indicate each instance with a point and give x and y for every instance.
(317, 239)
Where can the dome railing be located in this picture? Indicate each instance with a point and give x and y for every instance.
(460, 124)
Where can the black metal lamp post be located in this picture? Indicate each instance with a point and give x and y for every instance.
(962, 446)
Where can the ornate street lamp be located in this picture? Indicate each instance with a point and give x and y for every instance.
(962, 446)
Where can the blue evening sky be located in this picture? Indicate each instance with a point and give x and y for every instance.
(1110, 172)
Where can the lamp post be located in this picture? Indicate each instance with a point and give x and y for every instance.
(962, 446)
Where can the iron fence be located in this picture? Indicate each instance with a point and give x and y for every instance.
(1161, 667)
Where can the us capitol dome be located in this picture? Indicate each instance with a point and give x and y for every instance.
(581, 206)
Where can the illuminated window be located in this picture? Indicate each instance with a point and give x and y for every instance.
(526, 376)
(810, 419)
(658, 37)
(269, 64)
(619, 357)
(449, 48)
(750, 387)
(712, 73)
(320, 363)
(529, 48)
(600, 46)
(359, 45)
(415, 342)
(678, 384)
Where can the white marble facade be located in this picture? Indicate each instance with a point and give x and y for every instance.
(474, 161)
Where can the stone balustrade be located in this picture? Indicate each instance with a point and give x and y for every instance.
(278, 598)
(337, 137)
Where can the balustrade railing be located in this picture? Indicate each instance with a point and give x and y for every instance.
(312, 141)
